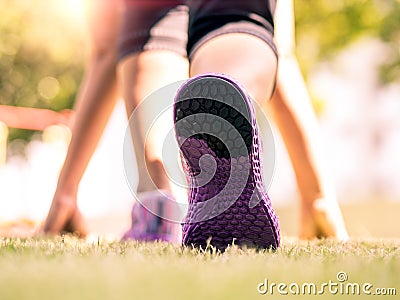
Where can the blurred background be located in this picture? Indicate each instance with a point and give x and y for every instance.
(349, 53)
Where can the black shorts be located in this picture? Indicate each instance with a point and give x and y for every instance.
(163, 24)
(211, 18)
(153, 25)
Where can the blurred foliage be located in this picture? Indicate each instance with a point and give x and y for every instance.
(41, 55)
(324, 27)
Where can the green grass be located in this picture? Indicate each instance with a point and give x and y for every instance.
(69, 268)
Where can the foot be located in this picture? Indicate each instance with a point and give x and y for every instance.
(152, 218)
(65, 217)
(218, 137)
(322, 219)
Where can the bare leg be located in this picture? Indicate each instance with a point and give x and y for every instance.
(251, 62)
(140, 74)
(93, 112)
(95, 104)
(320, 214)
(256, 75)
(293, 113)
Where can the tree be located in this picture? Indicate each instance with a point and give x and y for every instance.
(41, 55)
(325, 27)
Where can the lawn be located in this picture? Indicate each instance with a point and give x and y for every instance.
(70, 268)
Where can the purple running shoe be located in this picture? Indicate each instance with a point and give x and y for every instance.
(217, 133)
(148, 219)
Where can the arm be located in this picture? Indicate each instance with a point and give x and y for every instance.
(291, 87)
(100, 76)
(95, 101)
(291, 106)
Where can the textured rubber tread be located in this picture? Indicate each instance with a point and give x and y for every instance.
(218, 136)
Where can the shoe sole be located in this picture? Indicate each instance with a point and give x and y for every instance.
(217, 134)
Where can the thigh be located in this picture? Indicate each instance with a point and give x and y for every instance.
(211, 18)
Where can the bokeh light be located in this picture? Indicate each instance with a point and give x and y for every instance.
(48, 87)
